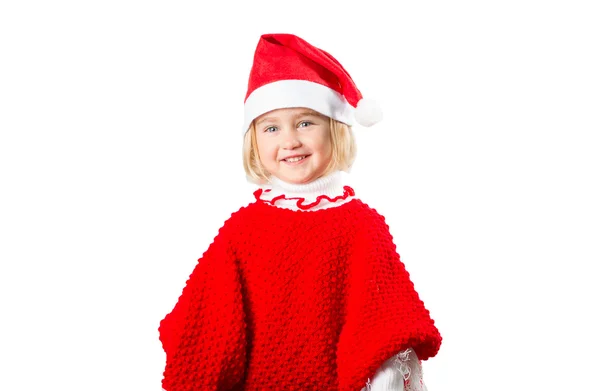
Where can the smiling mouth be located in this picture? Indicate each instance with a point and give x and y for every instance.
(295, 159)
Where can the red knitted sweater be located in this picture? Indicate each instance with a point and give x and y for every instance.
(293, 300)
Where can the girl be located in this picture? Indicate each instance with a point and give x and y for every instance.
(302, 289)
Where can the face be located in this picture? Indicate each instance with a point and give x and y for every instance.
(294, 144)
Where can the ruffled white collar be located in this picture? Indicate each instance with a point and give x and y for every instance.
(325, 192)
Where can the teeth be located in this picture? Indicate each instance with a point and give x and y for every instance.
(295, 159)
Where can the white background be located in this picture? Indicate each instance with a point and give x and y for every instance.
(120, 157)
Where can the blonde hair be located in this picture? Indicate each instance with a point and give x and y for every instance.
(343, 152)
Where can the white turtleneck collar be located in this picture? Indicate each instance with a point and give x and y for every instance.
(322, 193)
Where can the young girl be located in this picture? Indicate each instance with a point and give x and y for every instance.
(302, 289)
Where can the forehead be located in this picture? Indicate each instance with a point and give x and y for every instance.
(285, 113)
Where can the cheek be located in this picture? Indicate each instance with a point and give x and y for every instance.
(324, 145)
(265, 149)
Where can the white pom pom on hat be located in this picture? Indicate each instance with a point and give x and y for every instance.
(289, 72)
(368, 112)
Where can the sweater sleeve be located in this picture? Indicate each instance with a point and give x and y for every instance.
(204, 335)
(384, 314)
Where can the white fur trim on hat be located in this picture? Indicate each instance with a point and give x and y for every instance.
(297, 93)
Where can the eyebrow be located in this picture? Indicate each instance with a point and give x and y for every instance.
(263, 120)
(301, 114)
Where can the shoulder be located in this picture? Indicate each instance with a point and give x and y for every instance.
(239, 218)
(372, 226)
(232, 230)
(248, 217)
(371, 214)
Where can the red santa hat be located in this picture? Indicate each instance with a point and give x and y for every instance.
(289, 72)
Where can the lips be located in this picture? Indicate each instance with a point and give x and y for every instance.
(296, 159)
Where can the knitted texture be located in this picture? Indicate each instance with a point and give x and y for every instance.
(293, 300)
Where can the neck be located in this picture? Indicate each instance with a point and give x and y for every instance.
(325, 192)
(328, 183)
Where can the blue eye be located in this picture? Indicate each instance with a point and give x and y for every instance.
(270, 129)
(304, 122)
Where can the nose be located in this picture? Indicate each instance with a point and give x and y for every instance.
(290, 139)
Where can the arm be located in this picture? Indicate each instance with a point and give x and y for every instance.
(204, 335)
(384, 314)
